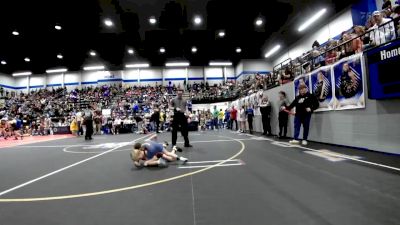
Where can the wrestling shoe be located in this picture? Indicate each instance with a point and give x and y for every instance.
(183, 159)
(294, 142)
(304, 142)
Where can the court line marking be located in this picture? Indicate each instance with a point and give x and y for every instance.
(212, 161)
(243, 147)
(203, 166)
(64, 168)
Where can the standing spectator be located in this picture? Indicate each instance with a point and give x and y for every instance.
(156, 119)
(88, 122)
(283, 116)
(98, 120)
(74, 126)
(233, 118)
(162, 119)
(227, 119)
(305, 104)
(221, 115)
(265, 109)
(242, 119)
(250, 116)
(381, 34)
(1, 91)
(215, 118)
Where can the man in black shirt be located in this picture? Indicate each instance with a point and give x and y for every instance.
(179, 105)
(265, 109)
(305, 104)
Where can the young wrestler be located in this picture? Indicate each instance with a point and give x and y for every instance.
(154, 154)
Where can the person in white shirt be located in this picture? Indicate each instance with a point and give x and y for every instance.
(242, 119)
(117, 125)
(381, 34)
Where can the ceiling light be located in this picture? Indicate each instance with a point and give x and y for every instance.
(221, 34)
(197, 20)
(312, 19)
(59, 56)
(57, 27)
(177, 64)
(162, 50)
(60, 70)
(194, 49)
(220, 64)
(16, 33)
(238, 50)
(130, 51)
(259, 22)
(27, 59)
(108, 22)
(137, 65)
(272, 51)
(28, 73)
(99, 67)
(152, 20)
(92, 53)
(3, 62)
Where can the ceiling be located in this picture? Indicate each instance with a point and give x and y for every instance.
(83, 29)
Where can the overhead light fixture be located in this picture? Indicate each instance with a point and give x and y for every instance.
(259, 22)
(60, 70)
(162, 50)
(92, 53)
(177, 64)
(15, 33)
(130, 51)
(312, 19)
(197, 20)
(27, 59)
(220, 64)
(27, 73)
(194, 49)
(152, 20)
(57, 27)
(272, 51)
(137, 65)
(3, 62)
(98, 67)
(221, 34)
(238, 50)
(108, 23)
(59, 56)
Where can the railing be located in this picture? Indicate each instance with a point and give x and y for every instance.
(370, 39)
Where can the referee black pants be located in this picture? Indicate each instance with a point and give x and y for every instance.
(180, 122)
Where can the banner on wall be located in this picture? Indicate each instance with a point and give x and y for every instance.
(303, 79)
(322, 87)
(349, 85)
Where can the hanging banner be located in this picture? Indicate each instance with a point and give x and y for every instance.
(349, 85)
(322, 87)
(303, 79)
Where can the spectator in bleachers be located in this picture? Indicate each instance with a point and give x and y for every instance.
(381, 34)
(387, 4)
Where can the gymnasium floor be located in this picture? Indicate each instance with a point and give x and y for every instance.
(231, 179)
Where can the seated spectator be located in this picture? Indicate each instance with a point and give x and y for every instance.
(287, 76)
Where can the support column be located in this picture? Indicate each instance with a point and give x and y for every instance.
(63, 80)
(138, 71)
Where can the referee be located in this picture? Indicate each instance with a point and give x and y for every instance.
(179, 105)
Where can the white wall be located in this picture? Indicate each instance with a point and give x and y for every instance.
(214, 75)
(130, 77)
(72, 80)
(37, 82)
(257, 65)
(342, 22)
(150, 76)
(196, 74)
(54, 80)
(230, 73)
(176, 76)
(239, 70)
(6, 81)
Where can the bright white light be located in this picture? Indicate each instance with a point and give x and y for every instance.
(259, 22)
(137, 65)
(238, 50)
(312, 20)
(194, 49)
(221, 34)
(59, 56)
(197, 20)
(108, 22)
(220, 64)
(22, 74)
(177, 64)
(99, 67)
(92, 53)
(152, 20)
(16, 33)
(57, 27)
(27, 59)
(162, 50)
(272, 51)
(3, 62)
(60, 70)
(130, 51)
